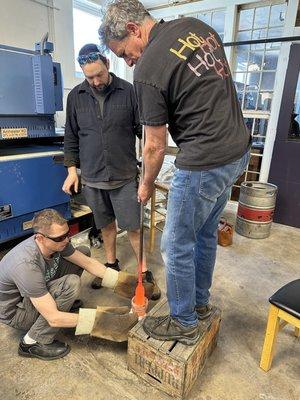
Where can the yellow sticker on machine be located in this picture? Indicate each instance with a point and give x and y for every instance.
(27, 225)
(14, 133)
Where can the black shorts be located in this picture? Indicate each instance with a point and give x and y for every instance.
(119, 204)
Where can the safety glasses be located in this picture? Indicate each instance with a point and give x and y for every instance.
(89, 58)
(58, 238)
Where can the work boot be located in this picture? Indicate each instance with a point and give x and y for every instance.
(76, 305)
(97, 282)
(203, 312)
(113, 323)
(95, 242)
(168, 328)
(45, 352)
(148, 277)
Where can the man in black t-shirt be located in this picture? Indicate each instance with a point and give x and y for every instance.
(182, 79)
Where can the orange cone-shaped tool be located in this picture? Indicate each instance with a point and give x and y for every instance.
(140, 302)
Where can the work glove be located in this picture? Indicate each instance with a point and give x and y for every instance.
(111, 323)
(124, 283)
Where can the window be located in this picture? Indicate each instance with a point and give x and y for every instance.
(254, 71)
(255, 64)
(215, 19)
(86, 22)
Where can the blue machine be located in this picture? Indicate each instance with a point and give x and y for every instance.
(31, 154)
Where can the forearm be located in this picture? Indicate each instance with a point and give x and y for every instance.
(154, 152)
(153, 159)
(63, 319)
(94, 267)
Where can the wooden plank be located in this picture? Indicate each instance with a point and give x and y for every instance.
(169, 347)
(162, 308)
(156, 368)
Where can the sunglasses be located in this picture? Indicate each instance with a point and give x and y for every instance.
(91, 57)
(58, 238)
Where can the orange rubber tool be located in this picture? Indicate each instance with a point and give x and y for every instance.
(140, 290)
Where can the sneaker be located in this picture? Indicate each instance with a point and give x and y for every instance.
(95, 242)
(168, 328)
(97, 282)
(76, 305)
(45, 352)
(203, 312)
(148, 277)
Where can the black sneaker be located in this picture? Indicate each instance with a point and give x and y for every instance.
(76, 305)
(168, 328)
(148, 277)
(45, 352)
(95, 242)
(97, 282)
(203, 312)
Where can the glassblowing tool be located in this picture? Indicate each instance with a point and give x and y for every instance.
(140, 301)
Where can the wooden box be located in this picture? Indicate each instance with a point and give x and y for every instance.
(169, 365)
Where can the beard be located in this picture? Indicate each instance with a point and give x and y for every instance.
(103, 88)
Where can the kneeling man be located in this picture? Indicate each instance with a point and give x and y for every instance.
(40, 282)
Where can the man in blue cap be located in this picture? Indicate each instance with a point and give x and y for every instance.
(102, 124)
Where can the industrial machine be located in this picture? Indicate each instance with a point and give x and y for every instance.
(31, 153)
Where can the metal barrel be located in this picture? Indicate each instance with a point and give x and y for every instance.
(256, 209)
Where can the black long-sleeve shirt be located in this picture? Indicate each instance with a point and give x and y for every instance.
(102, 146)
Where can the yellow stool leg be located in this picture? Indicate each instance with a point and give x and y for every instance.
(270, 338)
(297, 332)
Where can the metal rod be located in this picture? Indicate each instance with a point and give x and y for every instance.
(17, 49)
(141, 248)
(42, 43)
(264, 41)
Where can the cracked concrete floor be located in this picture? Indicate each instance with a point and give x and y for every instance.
(246, 274)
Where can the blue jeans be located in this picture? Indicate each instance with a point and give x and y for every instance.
(189, 241)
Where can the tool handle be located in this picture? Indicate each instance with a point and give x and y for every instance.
(141, 248)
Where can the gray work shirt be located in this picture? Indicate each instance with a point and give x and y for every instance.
(24, 272)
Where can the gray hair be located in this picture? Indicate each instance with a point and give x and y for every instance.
(115, 15)
(43, 220)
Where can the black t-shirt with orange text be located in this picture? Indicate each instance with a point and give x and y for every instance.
(183, 79)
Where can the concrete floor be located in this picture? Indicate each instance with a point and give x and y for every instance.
(246, 274)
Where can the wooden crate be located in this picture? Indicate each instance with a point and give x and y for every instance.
(169, 365)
